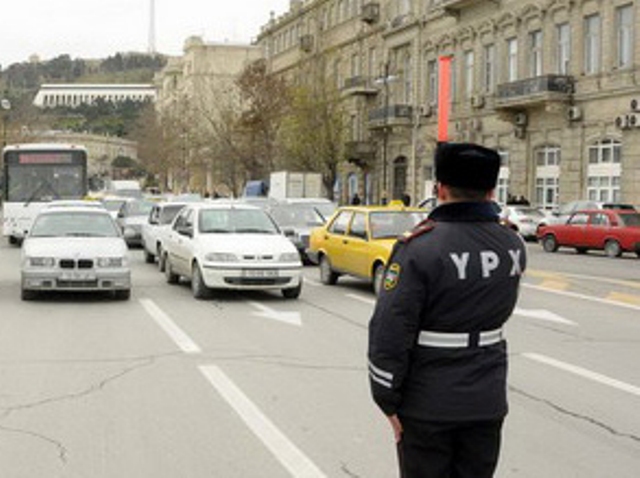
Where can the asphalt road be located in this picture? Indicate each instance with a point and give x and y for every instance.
(251, 385)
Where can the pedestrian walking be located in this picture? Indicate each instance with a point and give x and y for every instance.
(437, 353)
(355, 200)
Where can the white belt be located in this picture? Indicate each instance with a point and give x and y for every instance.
(459, 340)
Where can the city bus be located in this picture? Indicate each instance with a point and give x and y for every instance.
(35, 174)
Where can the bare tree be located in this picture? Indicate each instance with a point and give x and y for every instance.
(316, 128)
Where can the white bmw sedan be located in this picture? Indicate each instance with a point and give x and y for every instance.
(230, 246)
(75, 249)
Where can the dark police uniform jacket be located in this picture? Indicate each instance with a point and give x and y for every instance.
(458, 272)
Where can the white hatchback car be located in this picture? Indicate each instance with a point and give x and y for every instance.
(75, 249)
(231, 246)
(156, 229)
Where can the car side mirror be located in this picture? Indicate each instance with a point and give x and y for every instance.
(185, 231)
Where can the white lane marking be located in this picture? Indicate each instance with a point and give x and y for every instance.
(292, 318)
(176, 333)
(583, 297)
(596, 377)
(366, 300)
(542, 314)
(282, 448)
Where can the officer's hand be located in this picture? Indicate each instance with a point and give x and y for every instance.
(396, 426)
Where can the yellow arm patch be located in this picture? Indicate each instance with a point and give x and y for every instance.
(392, 276)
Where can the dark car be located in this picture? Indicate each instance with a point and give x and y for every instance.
(296, 222)
(613, 230)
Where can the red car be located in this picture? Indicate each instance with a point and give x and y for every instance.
(614, 231)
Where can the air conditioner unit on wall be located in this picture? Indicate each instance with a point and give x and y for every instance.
(622, 122)
(425, 110)
(477, 101)
(634, 120)
(520, 119)
(574, 113)
(635, 104)
(519, 132)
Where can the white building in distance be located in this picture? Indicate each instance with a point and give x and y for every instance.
(74, 95)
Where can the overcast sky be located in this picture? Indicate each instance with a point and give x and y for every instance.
(101, 28)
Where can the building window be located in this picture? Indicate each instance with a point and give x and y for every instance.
(592, 44)
(469, 59)
(535, 47)
(512, 59)
(489, 79)
(407, 79)
(547, 176)
(624, 33)
(563, 48)
(502, 188)
(355, 65)
(373, 68)
(605, 152)
(432, 78)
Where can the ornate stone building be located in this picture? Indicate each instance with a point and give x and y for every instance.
(194, 90)
(552, 84)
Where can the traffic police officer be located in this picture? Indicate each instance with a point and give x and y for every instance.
(437, 355)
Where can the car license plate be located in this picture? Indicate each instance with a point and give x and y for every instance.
(77, 276)
(259, 273)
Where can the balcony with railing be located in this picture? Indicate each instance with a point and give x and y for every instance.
(360, 153)
(454, 6)
(391, 115)
(533, 92)
(359, 85)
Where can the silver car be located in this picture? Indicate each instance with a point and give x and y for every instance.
(75, 249)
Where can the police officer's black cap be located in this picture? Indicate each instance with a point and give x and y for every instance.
(467, 165)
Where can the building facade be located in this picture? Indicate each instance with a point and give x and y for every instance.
(74, 95)
(193, 92)
(554, 85)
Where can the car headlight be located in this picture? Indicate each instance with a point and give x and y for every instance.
(111, 262)
(290, 257)
(220, 257)
(41, 261)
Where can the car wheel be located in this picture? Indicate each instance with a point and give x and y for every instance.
(27, 294)
(198, 287)
(612, 248)
(171, 277)
(327, 275)
(123, 294)
(549, 243)
(13, 240)
(148, 257)
(378, 279)
(162, 260)
(292, 293)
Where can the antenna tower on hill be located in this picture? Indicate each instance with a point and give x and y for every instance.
(152, 27)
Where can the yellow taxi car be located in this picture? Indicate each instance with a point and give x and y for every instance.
(357, 241)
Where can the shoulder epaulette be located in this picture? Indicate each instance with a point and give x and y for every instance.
(422, 228)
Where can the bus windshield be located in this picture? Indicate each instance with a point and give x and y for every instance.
(38, 173)
(44, 183)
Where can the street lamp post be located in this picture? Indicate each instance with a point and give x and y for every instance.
(5, 105)
(385, 80)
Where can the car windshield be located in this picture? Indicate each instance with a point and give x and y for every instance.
(391, 224)
(113, 204)
(226, 221)
(169, 212)
(139, 208)
(74, 224)
(530, 212)
(630, 219)
(297, 216)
